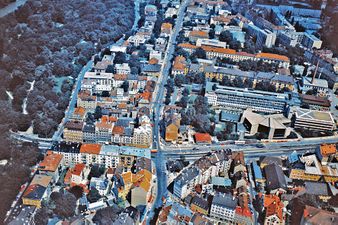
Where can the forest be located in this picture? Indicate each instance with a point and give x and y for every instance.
(44, 41)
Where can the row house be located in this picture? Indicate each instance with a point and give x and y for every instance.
(216, 52)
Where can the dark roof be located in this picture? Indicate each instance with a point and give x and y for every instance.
(274, 177)
(225, 200)
(89, 128)
(74, 125)
(123, 122)
(35, 192)
(271, 160)
(150, 68)
(200, 202)
(316, 188)
(68, 147)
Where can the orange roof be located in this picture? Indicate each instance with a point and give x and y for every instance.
(51, 162)
(187, 45)
(80, 111)
(224, 19)
(243, 211)
(118, 130)
(198, 33)
(166, 26)
(104, 125)
(219, 50)
(273, 56)
(112, 119)
(90, 148)
(120, 76)
(153, 61)
(146, 95)
(179, 63)
(328, 149)
(202, 137)
(78, 168)
(122, 106)
(273, 206)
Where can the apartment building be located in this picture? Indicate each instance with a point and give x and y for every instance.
(313, 120)
(243, 98)
(72, 131)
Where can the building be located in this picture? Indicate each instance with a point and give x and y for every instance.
(180, 66)
(273, 126)
(315, 102)
(141, 194)
(310, 41)
(315, 216)
(186, 182)
(273, 210)
(202, 138)
(166, 29)
(215, 52)
(102, 185)
(37, 191)
(264, 38)
(308, 119)
(77, 175)
(51, 165)
(72, 131)
(275, 179)
(312, 170)
(172, 128)
(210, 42)
(242, 98)
(199, 205)
(142, 136)
(194, 35)
(86, 100)
(223, 207)
(320, 85)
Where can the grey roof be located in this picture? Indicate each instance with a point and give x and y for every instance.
(275, 77)
(200, 202)
(271, 160)
(229, 116)
(316, 188)
(123, 122)
(89, 128)
(274, 177)
(150, 68)
(228, 71)
(225, 200)
(128, 131)
(186, 176)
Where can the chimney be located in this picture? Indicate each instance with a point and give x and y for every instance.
(315, 73)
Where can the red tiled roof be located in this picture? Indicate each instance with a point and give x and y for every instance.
(90, 148)
(202, 137)
(51, 162)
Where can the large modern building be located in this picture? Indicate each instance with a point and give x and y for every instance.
(313, 120)
(242, 98)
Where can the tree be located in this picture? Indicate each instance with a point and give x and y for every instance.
(107, 215)
(77, 191)
(211, 34)
(200, 53)
(65, 204)
(95, 171)
(183, 102)
(98, 112)
(120, 58)
(185, 92)
(225, 36)
(179, 80)
(41, 216)
(125, 86)
(93, 195)
(201, 105)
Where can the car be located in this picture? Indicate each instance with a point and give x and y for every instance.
(260, 145)
(336, 107)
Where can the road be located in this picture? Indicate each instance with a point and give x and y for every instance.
(157, 104)
(11, 7)
(251, 151)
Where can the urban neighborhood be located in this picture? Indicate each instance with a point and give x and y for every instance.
(201, 112)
